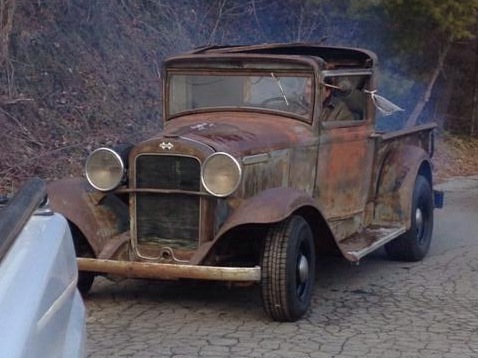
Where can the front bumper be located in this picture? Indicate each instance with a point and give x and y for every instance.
(169, 271)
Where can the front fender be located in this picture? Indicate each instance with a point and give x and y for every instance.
(270, 206)
(394, 195)
(274, 205)
(99, 216)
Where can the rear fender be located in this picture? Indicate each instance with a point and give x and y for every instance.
(99, 216)
(395, 184)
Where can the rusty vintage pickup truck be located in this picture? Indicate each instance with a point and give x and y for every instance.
(269, 159)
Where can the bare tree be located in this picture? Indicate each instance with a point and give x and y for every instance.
(7, 12)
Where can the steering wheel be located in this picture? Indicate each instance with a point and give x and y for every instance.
(293, 102)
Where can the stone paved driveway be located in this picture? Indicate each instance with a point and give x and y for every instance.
(377, 309)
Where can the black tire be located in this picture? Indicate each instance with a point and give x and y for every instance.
(288, 270)
(414, 244)
(82, 249)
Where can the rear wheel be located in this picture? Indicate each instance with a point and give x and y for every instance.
(288, 269)
(82, 249)
(414, 244)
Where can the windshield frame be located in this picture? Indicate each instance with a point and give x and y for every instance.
(276, 75)
(241, 65)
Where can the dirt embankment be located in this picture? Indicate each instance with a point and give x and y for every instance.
(79, 75)
(455, 156)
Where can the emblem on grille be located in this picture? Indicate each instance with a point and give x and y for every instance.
(167, 146)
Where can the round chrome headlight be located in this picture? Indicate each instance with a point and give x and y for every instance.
(221, 174)
(104, 169)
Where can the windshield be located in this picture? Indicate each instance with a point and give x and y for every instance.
(272, 91)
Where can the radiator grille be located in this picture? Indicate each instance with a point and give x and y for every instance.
(168, 219)
(168, 172)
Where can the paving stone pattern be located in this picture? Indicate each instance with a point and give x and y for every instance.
(380, 309)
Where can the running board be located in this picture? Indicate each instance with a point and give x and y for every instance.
(369, 239)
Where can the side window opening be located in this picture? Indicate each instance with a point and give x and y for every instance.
(344, 98)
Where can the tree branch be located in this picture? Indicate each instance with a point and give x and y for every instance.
(417, 111)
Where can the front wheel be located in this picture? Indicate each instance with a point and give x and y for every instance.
(413, 245)
(288, 269)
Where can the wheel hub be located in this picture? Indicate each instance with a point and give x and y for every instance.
(419, 222)
(303, 269)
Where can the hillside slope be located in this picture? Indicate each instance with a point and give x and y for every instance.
(80, 74)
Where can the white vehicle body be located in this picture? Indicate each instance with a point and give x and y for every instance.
(42, 313)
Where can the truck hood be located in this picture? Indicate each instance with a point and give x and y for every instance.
(241, 133)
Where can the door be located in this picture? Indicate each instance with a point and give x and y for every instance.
(345, 157)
